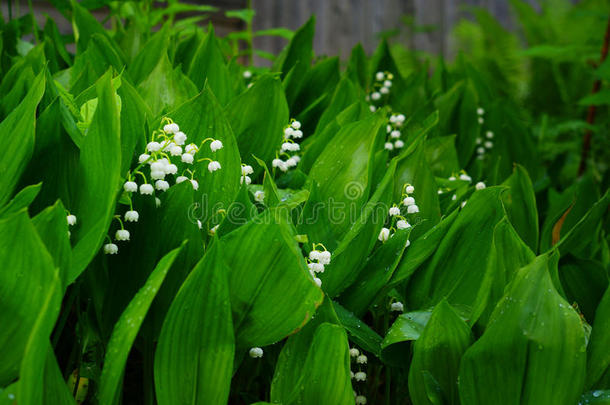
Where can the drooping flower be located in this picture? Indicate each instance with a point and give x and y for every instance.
(412, 209)
(361, 359)
(132, 216)
(408, 201)
(213, 166)
(195, 184)
(161, 185)
(259, 196)
(191, 148)
(246, 170)
(360, 376)
(153, 146)
(130, 187)
(180, 179)
(256, 352)
(384, 234)
(399, 144)
(143, 157)
(111, 249)
(397, 306)
(388, 146)
(409, 189)
(353, 352)
(187, 158)
(71, 220)
(180, 138)
(394, 211)
(480, 185)
(402, 224)
(122, 234)
(215, 145)
(146, 189)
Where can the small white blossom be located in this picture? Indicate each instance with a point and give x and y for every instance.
(409, 189)
(297, 158)
(453, 197)
(384, 234)
(372, 108)
(361, 359)
(379, 76)
(153, 146)
(316, 267)
(143, 157)
(214, 229)
(354, 352)
(388, 146)
(388, 127)
(465, 177)
(171, 169)
(317, 281)
(360, 376)
(408, 201)
(157, 166)
(157, 174)
(387, 83)
(395, 134)
(146, 189)
(489, 135)
(175, 150)
(199, 224)
(480, 185)
(291, 162)
(399, 144)
(296, 124)
(478, 141)
(488, 144)
(246, 170)
(481, 150)
(412, 209)
(122, 234)
(384, 90)
(111, 249)
(360, 400)
(397, 307)
(180, 179)
(314, 255)
(247, 74)
(215, 145)
(71, 219)
(408, 243)
(132, 216)
(130, 187)
(180, 138)
(195, 184)
(161, 185)
(452, 178)
(297, 133)
(402, 224)
(245, 179)
(187, 158)
(288, 132)
(213, 166)
(191, 148)
(480, 111)
(393, 119)
(463, 204)
(259, 196)
(400, 118)
(256, 352)
(376, 96)
(324, 257)
(394, 211)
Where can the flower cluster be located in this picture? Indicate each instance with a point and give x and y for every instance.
(289, 147)
(393, 130)
(397, 220)
(381, 89)
(360, 361)
(316, 261)
(163, 154)
(484, 146)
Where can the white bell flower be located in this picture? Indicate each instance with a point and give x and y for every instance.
(297, 134)
(384, 234)
(191, 148)
(412, 209)
(353, 352)
(187, 158)
(395, 134)
(360, 376)
(397, 307)
(399, 144)
(130, 187)
(215, 145)
(256, 352)
(480, 185)
(157, 174)
(247, 74)
(180, 179)
(361, 359)
(489, 135)
(213, 166)
(379, 76)
(122, 234)
(143, 157)
(180, 138)
(296, 124)
(71, 219)
(408, 201)
(394, 211)
(388, 146)
(376, 95)
(259, 196)
(288, 132)
(132, 216)
(465, 177)
(246, 170)
(153, 146)
(161, 185)
(171, 169)
(175, 150)
(384, 90)
(324, 257)
(195, 184)
(146, 189)
(409, 189)
(111, 249)
(245, 179)
(402, 224)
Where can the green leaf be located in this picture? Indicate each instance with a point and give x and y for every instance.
(598, 356)
(520, 205)
(442, 156)
(298, 51)
(239, 213)
(438, 351)
(28, 273)
(245, 15)
(194, 357)
(134, 115)
(275, 32)
(257, 117)
(344, 95)
(150, 54)
(126, 330)
(18, 148)
(208, 64)
(98, 176)
(272, 292)
(21, 200)
(406, 328)
(457, 268)
(536, 336)
(357, 68)
(360, 332)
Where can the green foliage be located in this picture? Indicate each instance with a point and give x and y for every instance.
(393, 229)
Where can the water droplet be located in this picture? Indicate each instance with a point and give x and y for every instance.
(597, 393)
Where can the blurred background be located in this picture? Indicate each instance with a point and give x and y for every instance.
(424, 25)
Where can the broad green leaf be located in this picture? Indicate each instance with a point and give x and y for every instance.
(442, 156)
(457, 268)
(18, 148)
(194, 357)
(584, 282)
(134, 115)
(208, 65)
(520, 204)
(406, 328)
(438, 352)
(376, 273)
(52, 227)
(166, 87)
(21, 200)
(91, 64)
(537, 337)
(126, 330)
(239, 213)
(342, 175)
(275, 32)
(298, 51)
(315, 91)
(98, 179)
(257, 117)
(357, 68)
(272, 292)
(360, 332)
(598, 358)
(28, 274)
(344, 95)
(85, 25)
(272, 194)
(597, 397)
(145, 61)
